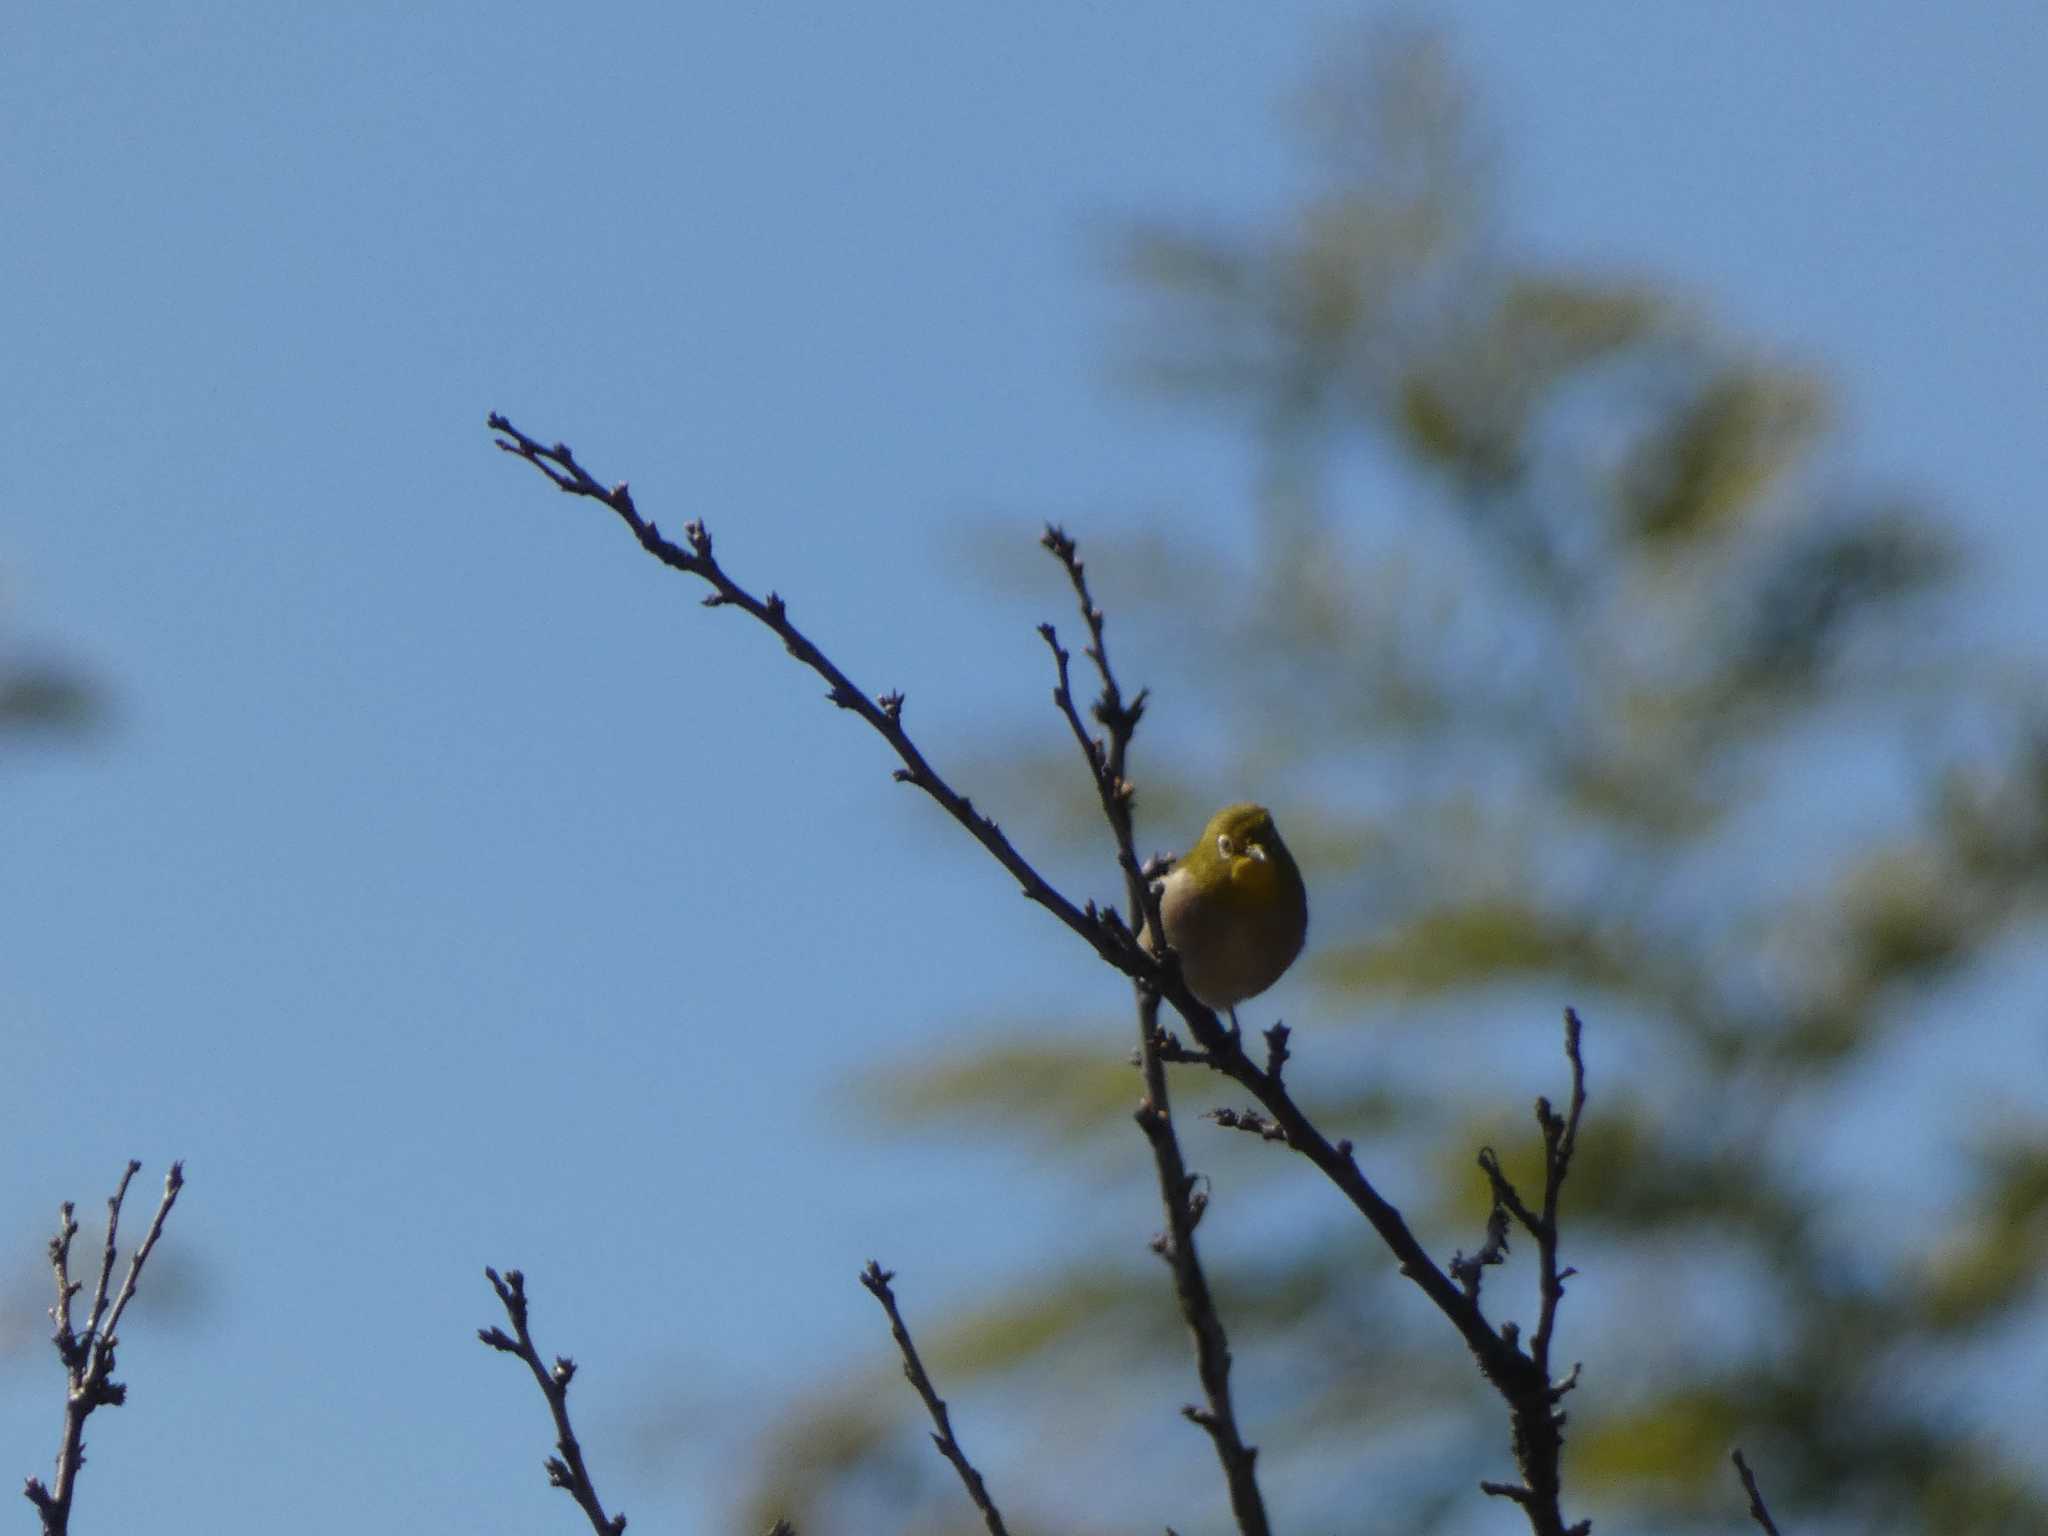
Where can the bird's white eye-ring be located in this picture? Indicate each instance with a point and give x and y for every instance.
(1225, 846)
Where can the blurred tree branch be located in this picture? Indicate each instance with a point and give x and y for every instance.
(46, 698)
(44, 694)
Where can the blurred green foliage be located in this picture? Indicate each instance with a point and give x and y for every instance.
(1584, 712)
(40, 695)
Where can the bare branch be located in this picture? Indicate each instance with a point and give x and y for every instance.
(883, 714)
(877, 1279)
(108, 1253)
(1184, 1203)
(1560, 1140)
(1118, 718)
(89, 1357)
(1521, 1378)
(1180, 1194)
(1757, 1511)
(566, 1470)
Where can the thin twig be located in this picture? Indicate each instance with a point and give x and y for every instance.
(884, 713)
(1118, 718)
(566, 1470)
(1179, 1189)
(89, 1357)
(1538, 1421)
(877, 1279)
(1184, 1203)
(1757, 1511)
(111, 1249)
(1560, 1140)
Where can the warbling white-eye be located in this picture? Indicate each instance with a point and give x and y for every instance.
(1234, 907)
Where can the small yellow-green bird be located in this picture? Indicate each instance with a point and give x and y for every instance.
(1235, 908)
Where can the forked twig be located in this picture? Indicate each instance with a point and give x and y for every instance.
(89, 1356)
(566, 1470)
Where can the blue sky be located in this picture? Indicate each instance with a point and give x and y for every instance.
(446, 887)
